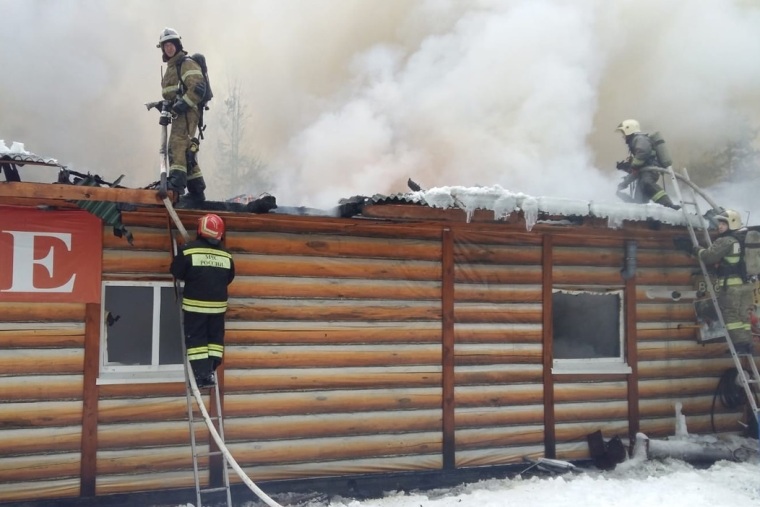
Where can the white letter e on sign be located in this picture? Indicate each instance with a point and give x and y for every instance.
(24, 261)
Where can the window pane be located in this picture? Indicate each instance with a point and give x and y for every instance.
(129, 335)
(586, 325)
(170, 347)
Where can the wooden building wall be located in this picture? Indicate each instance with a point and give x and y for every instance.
(358, 346)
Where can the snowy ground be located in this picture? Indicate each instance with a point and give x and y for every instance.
(635, 483)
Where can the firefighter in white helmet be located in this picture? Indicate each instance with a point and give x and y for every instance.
(639, 166)
(735, 295)
(182, 88)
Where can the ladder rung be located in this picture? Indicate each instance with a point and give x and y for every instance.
(212, 453)
(213, 490)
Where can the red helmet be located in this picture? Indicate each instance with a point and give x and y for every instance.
(211, 227)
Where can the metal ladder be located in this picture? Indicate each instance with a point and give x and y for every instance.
(746, 379)
(215, 401)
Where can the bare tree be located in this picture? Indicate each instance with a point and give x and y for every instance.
(240, 171)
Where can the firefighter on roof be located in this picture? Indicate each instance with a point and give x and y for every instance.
(639, 166)
(207, 269)
(183, 86)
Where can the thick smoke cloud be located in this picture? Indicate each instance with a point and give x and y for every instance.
(351, 97)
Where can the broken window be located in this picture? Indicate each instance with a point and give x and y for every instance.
(588, 332)
(141, 338)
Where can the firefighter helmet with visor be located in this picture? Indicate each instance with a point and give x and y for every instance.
(211, 227)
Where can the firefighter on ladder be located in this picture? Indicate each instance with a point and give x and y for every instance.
(207, 269)
(735, 296)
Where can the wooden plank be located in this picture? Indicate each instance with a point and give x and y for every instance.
(675, 388)
(474, 254)
(480, 417)
(245, 357)
(547, 325)
(25, 387)
(145, 238)
(89, 430)
(325, 402)
(331, 246)
(349, 311)
(468, 439)
(39, 415)
(507, 313)
(335, 288)
(497, 396)
(348, 333)
(498, 333)
(40, 440)
(492, 293)
(589, 391)
(683, 368)
(495, 274)
(39, 467)
(141, 410)
(293, 379)
(136, 261)
(39, 312)
(499, 374)
(661, 351)
(41, 361)
(322, 267)
(35, 191)
(64, 337)
(498, 354)
(57, 490)
(447, 349)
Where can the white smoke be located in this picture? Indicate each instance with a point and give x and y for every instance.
(351, 97)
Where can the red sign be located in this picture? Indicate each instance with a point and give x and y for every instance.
(53, 256)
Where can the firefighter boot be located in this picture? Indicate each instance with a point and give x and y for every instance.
(195, 194)
(666, 201)
(177, 181)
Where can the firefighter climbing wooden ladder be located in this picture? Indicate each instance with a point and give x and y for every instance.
(217, 435)
(747, 379)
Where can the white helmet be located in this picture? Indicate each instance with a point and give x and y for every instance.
(628, 127)
(732, 218)
(167, 34)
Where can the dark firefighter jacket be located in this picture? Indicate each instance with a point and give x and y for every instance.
(726, 252)
(191, 76)
(207, 270)
(642, 155)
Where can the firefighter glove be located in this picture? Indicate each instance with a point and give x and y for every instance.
(695, 251)
(683, 244)
(164, 119)
(180, 106)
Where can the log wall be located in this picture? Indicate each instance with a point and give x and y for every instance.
(361, 347)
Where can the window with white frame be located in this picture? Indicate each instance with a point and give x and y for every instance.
(140, 333)
(588, 332)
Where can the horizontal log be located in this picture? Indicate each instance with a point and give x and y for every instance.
(584, 276)
(142, 410)
(40, 490)
(662, 351)
(493, 293)
(294, 379)
(41, 312)
(498, 333)
(144, 238)
(43, 414)
(691, 406)
(260, 429)
(143, 435)
(589, 391)
(662, 276)
(467, 439)
(498, 456)
(323, 288)
(664, 312)
(484, 274)
(138, 261)
(39, 467)
(33, 191)
(675, 332)
(41, 361)
(499, 396)
(332, 246)
(577, 431)
(696, 425)
(479, 417)
(40, 387)
(58, 440)
(508, 313)
(316, 333)
(325, 402)
(63, 337)
(349, 311)
(244, 357)
(675, 388)
(173, 389)
(601, 411)
(325, 267)
(509, 373)
(682, 368)
(466, 253)
(486, 354)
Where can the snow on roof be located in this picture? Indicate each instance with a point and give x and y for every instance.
(19, 155)
(503, 202)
